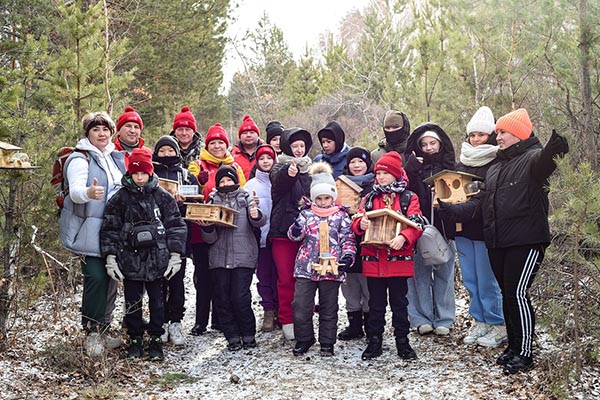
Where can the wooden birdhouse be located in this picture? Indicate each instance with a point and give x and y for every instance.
(11, 157)
(169, 185)
(453, 186)
(327, 263)
(217, 214)
(384, 225)
(348, 193)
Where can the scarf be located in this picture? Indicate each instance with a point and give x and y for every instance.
(362, 180)
(472, 156)
(324, 212)
(303, 163)
(206, 156)
(396, 187)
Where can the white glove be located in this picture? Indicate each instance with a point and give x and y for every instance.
(112, 269)
(173, 266)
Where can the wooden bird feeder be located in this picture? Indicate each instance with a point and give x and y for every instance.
(12, 158)
(217, 214)
(348, 193)
(327, 263)
(384, 225)
(453, 187)
(169, 185)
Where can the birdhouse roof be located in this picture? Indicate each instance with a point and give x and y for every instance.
(8, 146)
(347, 181)
(441, 174)
(394, 214)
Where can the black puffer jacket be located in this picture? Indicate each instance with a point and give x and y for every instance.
(431, 165)
(515, 201)
(133, 204)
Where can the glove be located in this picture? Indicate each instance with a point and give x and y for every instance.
(557, 144)
(296, 229)
(445, 211)
(203, 177)
(173, 266)
(344, 263)
(112, 269)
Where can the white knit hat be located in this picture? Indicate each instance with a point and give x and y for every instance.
(430, 134)
(482, 121)
(322, 181)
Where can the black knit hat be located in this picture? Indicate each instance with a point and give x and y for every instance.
(274, 128)
(359, 152)
(167, 141)
(229, 171)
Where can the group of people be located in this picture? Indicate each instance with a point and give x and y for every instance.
(301, 239)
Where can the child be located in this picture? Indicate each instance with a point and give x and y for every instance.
(167, 165)
(274, 130)
(232, 261)
(359, 169)
(143, 238)
(342, 247)
(431, 304)
(332, 139)
(266, 271)
(388, 269)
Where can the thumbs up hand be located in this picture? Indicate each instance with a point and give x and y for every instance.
(364, 222)
(95, 192)
(292, 169)
(255, 198)
(254, 208)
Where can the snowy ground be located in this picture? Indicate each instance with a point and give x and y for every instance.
(204, 369)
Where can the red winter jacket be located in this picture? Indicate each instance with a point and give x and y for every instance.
(119, 147)
(385, 262)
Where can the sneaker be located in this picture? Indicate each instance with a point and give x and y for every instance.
(477, 330)
(518, 364)
(234, 344)
(249, 342)
(288, 331)
(94, 345)
(326, 350)
(495, 336)
(424, 329)
(268, 321)
(505, 357)
(155, 349)
(175, 335)
(198, 330)
(302, 347)
(165, 336)
(441, 330)
(136, 348)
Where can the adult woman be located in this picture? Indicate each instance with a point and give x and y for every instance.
(93, 175)
(289, 183)
(431, 303)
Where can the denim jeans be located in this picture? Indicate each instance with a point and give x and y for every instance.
(431, 293)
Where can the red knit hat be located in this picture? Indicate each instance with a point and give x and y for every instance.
(129, 115)
(266, 149)
(390, 162)
(517, 123)
(184, 119)
(140, 160)
(216, 132)
(248, 125)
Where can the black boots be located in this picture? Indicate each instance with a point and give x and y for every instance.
(354, 329)
(505, 357)
(404, 350)
(518, 363)
(373, 349)
(302, 347)
(136, 348)
(155, 349)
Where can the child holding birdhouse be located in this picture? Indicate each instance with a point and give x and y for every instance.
(388, 267)
(327, 251)
(232, 261)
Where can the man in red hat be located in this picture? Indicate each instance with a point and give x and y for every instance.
(244, 153)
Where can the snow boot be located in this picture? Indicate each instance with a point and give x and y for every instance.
(155, 349)
(327, 350)
(302, 347)
(404, 350)
(373, 349)
(354, 330)
(136, 348)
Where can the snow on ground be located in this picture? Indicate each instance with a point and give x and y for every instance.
(204, 369)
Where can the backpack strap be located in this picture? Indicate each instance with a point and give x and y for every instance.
(405, 198)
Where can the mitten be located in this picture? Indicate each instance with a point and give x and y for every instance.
(203, 177)
(173, 266)
(557, 144)
(296, 229)
(344, 263)
(112, 269)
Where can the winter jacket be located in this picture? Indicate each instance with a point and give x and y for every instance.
(81, 217)
(234, 247)
(119, 147)
(193, 151)
(385, 262)
(336, 160)
(431, 165)
(261, 185)
(244, 160)
(210, 163)
(134, 205)
(341, 242)
(515, 200)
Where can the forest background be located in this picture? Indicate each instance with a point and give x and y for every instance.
(435, 60)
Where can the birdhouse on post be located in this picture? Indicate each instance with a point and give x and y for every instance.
(384, 225)
(348, 193)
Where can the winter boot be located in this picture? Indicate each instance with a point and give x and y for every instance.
(354, 330)
(373, 349)
(249, 342)
(302, 347)
(136, 348)
(155, 349)
(268, 321)
(234, 344)
(505, 357)
(366, 323)
(327, 350)
(518, 364)
(404, 350)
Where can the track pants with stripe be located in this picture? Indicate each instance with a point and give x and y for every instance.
(515, 268)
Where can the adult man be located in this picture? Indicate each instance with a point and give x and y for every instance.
(129, 131)
(244, 152)
(189, 140)
(396, 129)
(515, 225)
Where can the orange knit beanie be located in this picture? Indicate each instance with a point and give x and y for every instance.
(517, 123)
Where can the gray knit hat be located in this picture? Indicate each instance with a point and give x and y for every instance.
(322, 181)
